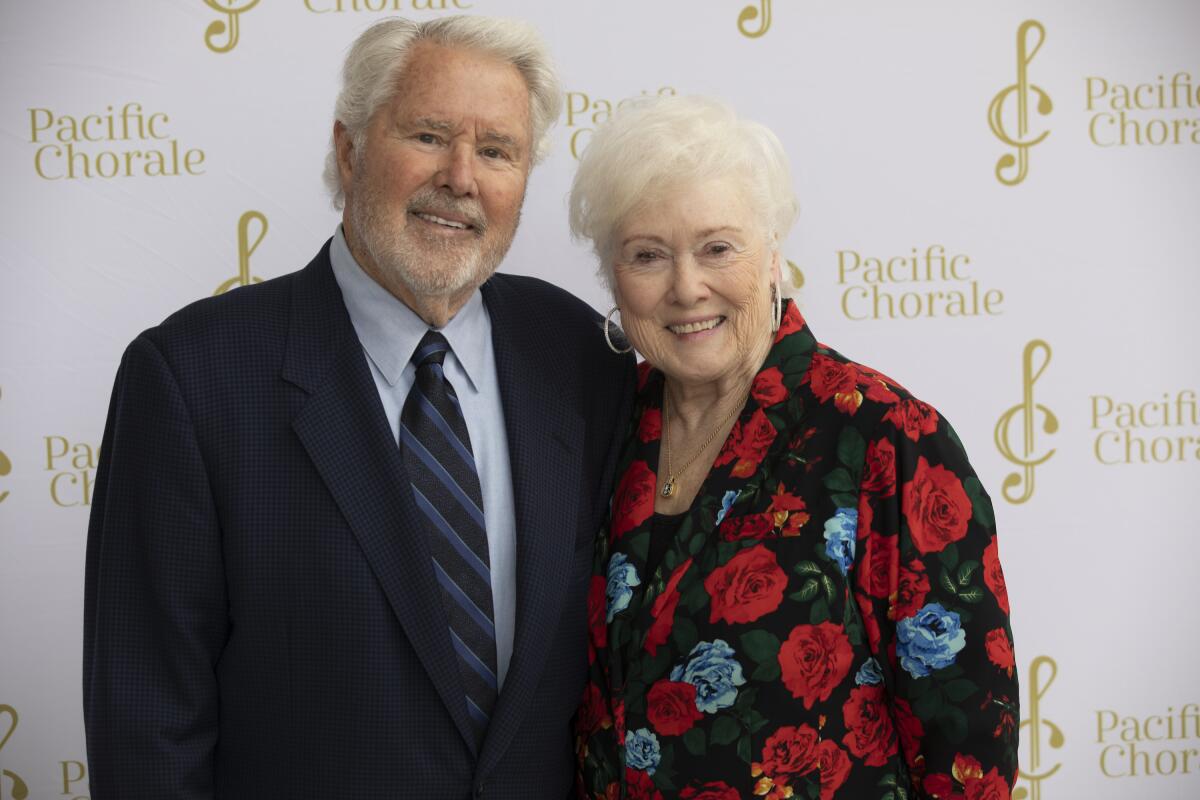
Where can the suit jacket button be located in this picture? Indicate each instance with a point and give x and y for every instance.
(479, 789)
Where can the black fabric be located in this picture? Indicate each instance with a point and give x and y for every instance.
(261, 615)
(662, 533)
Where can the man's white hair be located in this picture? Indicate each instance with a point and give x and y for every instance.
(371, 74)
(663, 144)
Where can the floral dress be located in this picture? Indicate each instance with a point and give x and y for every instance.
(830, 619)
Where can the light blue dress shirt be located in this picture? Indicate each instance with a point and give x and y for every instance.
(389, 332)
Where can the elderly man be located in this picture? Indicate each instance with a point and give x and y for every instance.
(343, 524)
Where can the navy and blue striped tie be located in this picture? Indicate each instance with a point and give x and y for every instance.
(445, 485)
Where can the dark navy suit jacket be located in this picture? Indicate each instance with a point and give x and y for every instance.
(261, 616)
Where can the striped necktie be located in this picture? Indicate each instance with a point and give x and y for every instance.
(445, 485)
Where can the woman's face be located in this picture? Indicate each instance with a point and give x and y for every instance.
(693, 274)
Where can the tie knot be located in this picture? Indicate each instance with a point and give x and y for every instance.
(431, 350)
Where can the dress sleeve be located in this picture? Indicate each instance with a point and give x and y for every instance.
(932, 595)
(155, 616)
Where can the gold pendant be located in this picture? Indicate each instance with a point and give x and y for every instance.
(669, 487)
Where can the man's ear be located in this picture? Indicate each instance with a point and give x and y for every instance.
(343, 145)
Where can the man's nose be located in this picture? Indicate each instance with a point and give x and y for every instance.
(457, 172)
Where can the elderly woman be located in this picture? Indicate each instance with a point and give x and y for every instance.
(798, 592)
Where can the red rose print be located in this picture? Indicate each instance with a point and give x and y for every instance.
(664, 621)
(880, 564)
(866, 516)
(828, 377)
(718, 790)
(835, 767)
(871, 735)
(989, 787)
(639, 786)
(768, 387)
(993, 576)
(596, 623)
(618, 716)
(912, 585)
(787, 512)
(869, 621)
(837, 380)
(791, 322)
(940, 787)
(878, 385)
(751, 526)
(671, 707)
(999, 650)
(633, 501)
(814, 660)
(663, 610)
(592, 713)
(783, 501)
(880, 477)
(650, 426)
(747, 444)
(748, 587)
(794, 522)
(643, 372)
(915, 418)
(937, 507)
(910, 728)
(790, 751)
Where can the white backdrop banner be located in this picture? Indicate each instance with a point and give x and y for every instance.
(1000, 208)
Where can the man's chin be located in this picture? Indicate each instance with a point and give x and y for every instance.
(439, 283)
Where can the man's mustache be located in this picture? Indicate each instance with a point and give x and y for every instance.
(442, 205)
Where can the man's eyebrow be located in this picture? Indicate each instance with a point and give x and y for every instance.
(498, 137)
(429, 123)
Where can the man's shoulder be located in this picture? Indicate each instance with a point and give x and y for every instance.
(544, 312)
(551, 325)
(247, 320)
(523, 289)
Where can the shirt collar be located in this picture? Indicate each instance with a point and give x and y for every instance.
(390, 331)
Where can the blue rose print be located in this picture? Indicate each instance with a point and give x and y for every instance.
(929, 640)
(869, 673)
(841, 531)
(715, 673)
(622, 577)
(641, 750)
(726, 504)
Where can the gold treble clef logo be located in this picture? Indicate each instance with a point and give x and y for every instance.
(227, 26)
(1030, 37)
(750, 13)
(5, 466)
(1035, 723)
(795, 274)
(245, 249)
(1027, 409)
(19, 790)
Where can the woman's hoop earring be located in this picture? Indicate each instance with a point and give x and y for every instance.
(777, 298)
(608, 336)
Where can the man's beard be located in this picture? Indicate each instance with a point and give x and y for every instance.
(428, 266)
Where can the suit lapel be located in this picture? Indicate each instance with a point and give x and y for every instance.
(344, 430)
(545, 443)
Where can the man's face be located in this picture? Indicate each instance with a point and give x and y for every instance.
(434, 192)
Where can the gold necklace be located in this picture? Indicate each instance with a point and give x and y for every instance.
(669, 487)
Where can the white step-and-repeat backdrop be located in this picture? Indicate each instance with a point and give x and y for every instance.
(1000, 208)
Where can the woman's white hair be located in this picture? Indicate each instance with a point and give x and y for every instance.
(371, 74)
(664, 143)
